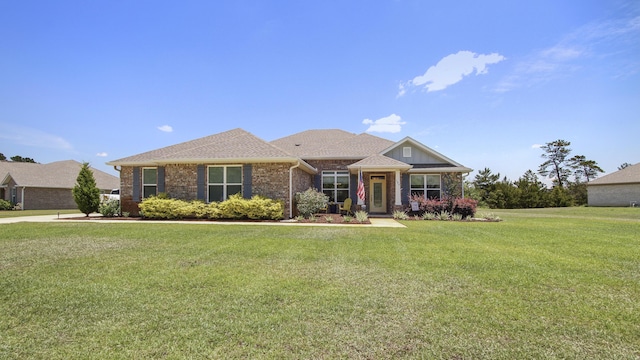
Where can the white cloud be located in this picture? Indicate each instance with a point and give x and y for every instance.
(32, 137)
(609, 41)
(165, 128)
(390, 124)
(102, 154)
(451, 69)
(536, 146)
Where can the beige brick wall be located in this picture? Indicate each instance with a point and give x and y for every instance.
(126, 191)
(268, 179)
(47, 198)
(613, 195)
(181, 181)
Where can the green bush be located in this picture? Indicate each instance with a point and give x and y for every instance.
(258, 208)
(234, 208)
(157, 208)
(5, 205)
(109, 208)
(310, 201)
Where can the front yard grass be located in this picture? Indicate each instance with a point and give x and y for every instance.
(19, 213)
(537, 285)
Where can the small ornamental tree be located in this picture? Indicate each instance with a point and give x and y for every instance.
(310, 201)
(85, 193)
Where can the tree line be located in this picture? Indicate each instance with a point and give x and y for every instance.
(569, 175)
(17, 158)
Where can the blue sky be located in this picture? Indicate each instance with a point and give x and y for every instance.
(485, 83)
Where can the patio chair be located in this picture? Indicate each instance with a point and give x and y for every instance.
(324, 209)
(346, 206)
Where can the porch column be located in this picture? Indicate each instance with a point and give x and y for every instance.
(398, 189)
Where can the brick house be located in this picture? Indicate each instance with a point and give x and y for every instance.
(46, 186)
(620, 188)
(214, 167)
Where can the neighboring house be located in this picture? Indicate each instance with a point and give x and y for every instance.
(46, 186)
(214, 167)
(620, 188)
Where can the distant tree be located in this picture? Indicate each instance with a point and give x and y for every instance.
(560, 197)
(19, 158)
(2, 157)
(624, 166)
(485, 182)
(504, 195)
(85, 193)
(578, 192)
(584, 168)
(533, 192)
(556, 167)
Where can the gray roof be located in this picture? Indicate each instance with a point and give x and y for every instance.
(59, 174)
(379, 161)
(332, 144)
(240, 146)
(229, 146)
(628, 175)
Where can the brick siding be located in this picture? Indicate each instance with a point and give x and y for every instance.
(270, 180)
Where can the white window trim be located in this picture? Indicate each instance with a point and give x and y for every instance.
(425, 189)
(406, 151)
(335, 174)
(224, 182)
(149, 184)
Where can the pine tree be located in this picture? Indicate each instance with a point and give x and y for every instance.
(556, 153)
(86, 194)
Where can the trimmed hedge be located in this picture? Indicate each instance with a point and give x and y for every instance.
(236, 207)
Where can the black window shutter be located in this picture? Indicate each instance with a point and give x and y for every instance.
(161, 179)
(317, 182)
(246, 181)
(406, 189)
(353, 187)
(136, 184)
(201, 180)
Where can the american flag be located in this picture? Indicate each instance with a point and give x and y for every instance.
(360, 189)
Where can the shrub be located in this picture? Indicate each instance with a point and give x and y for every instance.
(233, 208)
(5, 205)
(109, 208)
(400, 215)
(259, 208)
(156, 208)
(428, 216)
(465, 207)
(361, 216)
(262, 208)
(310, 201)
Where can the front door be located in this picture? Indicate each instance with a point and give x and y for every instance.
(378, 196)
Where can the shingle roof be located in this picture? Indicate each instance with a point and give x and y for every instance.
(628, 175)
(379, 161)
(59, 174)
(332, 144)
(232, 145)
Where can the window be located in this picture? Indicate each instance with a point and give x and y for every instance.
(149, 182)
(426, 185)
(335, 184)
(406, 151)
(224, 181)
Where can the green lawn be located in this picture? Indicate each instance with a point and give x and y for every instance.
(541, 284)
